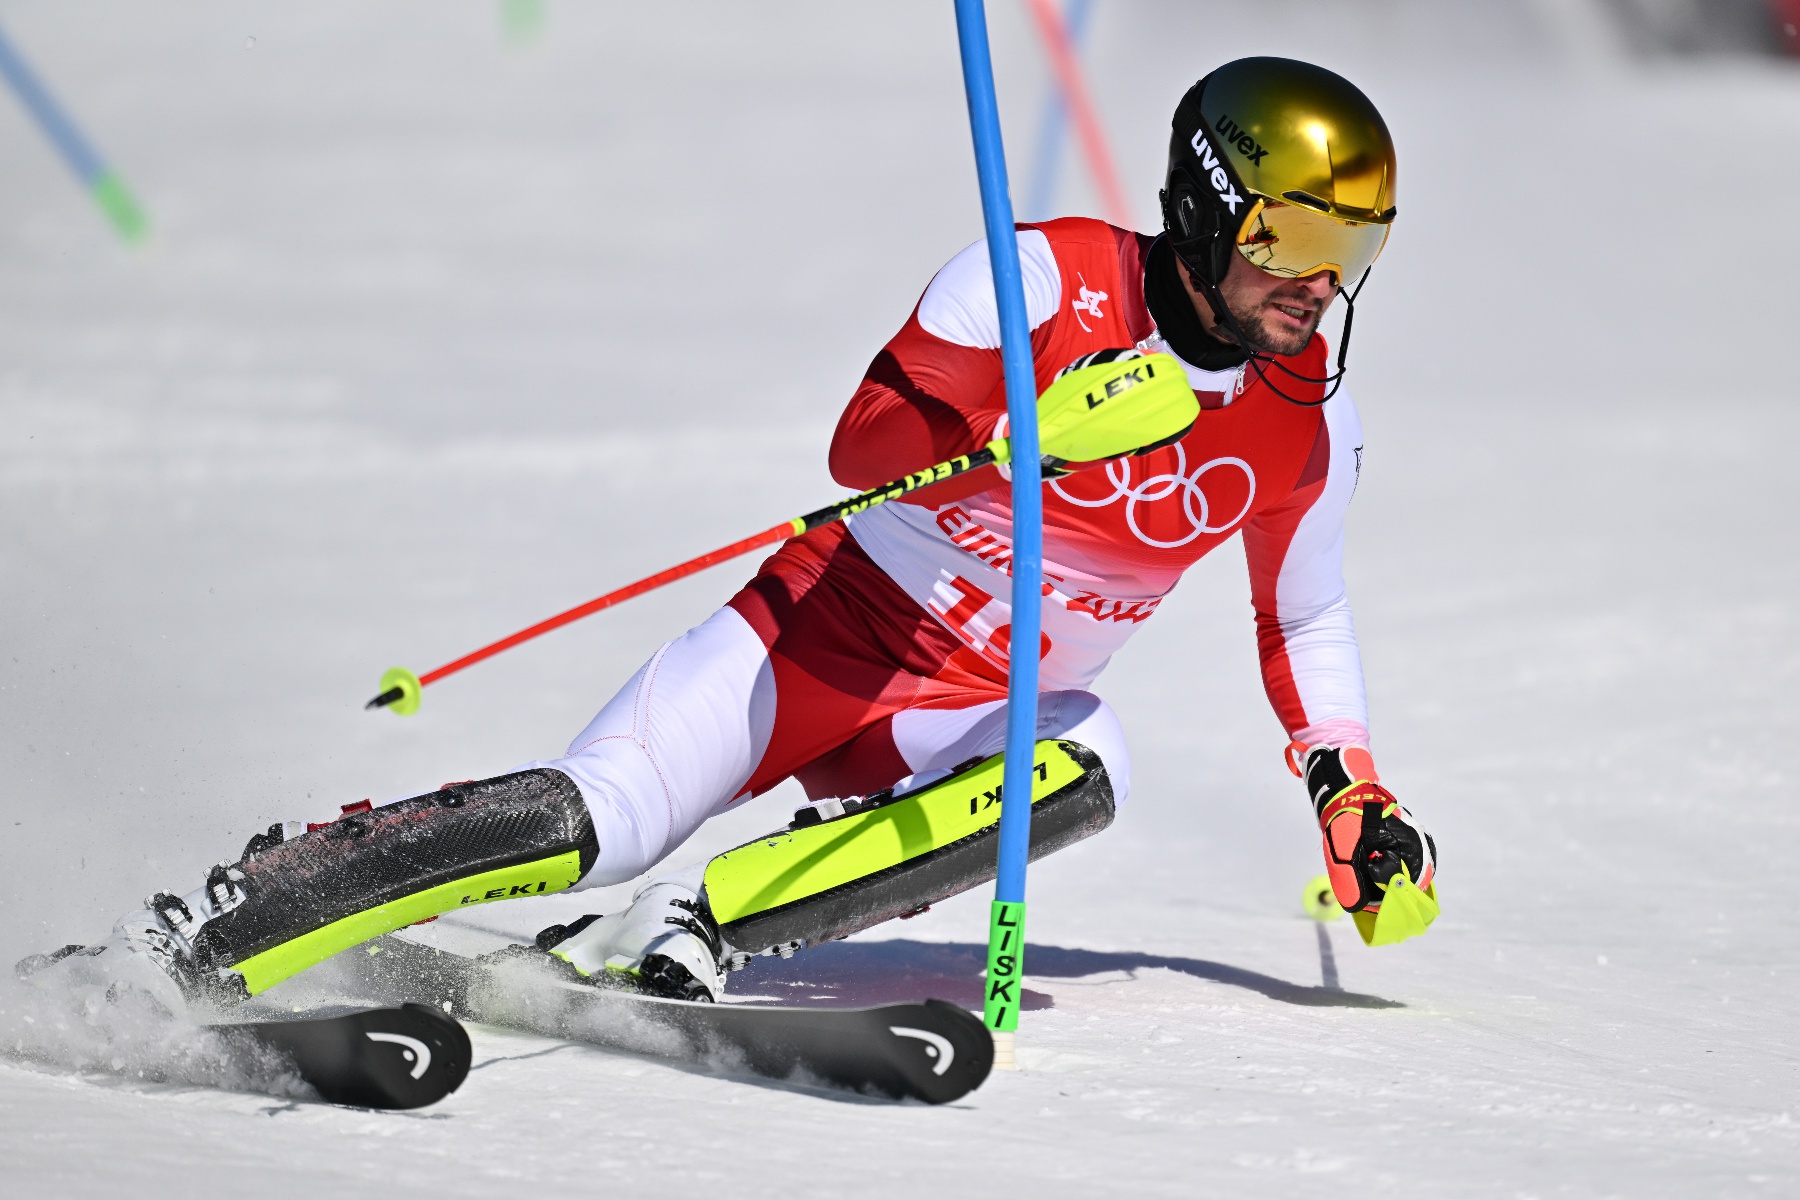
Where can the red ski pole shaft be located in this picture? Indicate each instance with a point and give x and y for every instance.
(404, 690)
(648, 584)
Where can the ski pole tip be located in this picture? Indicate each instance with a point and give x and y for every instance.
(400, 691)
(1320, 901)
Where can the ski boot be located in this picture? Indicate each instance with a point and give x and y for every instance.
(664, 944)
(302, 892)
(150, 952)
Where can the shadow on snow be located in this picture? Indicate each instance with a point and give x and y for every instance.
(862, 973)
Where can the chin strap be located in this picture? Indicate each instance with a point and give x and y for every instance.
(1260, 361)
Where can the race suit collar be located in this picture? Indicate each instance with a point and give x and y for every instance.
(1173, 311)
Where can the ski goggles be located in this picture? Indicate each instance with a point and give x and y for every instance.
(1287, 239)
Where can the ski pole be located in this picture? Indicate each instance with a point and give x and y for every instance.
(1006, 920)
(102, 182)
(400, 687)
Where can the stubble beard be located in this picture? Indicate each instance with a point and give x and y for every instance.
(1256, 328)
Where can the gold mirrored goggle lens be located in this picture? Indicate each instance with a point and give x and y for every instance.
(1286, 239)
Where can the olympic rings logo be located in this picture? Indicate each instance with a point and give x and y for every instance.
(1194, 504)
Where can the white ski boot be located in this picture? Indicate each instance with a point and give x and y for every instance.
(124, 970)
(665, 943)
(150, 952)
(143, 956)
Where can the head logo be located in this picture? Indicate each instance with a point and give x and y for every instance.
(1209, 162)
(937, 1046)
(411, 1049)
(1234, 135)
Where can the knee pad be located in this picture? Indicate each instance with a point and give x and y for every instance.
(292, 903)
(843, 866)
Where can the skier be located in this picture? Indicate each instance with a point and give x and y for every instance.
(868, 659)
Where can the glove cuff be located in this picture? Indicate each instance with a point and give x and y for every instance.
(1330, 770)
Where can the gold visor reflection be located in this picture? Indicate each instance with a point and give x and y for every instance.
(1285, 239)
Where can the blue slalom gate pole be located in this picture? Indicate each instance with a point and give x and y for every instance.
(1053, 126)
(1006, 924)
(102, 182)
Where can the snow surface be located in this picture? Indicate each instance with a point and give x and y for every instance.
(440, 335)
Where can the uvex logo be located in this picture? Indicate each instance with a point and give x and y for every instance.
(1210, 162)
(1234, 135)
(1118, 383)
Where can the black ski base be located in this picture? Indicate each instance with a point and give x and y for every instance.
(404, 1057)
(931, 1051)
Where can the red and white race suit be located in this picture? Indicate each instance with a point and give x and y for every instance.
(1116, 539)
(866, 653)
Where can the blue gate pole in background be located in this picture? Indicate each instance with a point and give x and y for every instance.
(102, 182)
(1006, 924)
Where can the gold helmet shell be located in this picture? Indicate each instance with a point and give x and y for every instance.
(1301, 134)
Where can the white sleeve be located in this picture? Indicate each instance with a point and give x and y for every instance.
(1312, 667)
(959, 306)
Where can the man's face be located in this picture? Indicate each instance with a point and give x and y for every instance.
(1278, 313)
